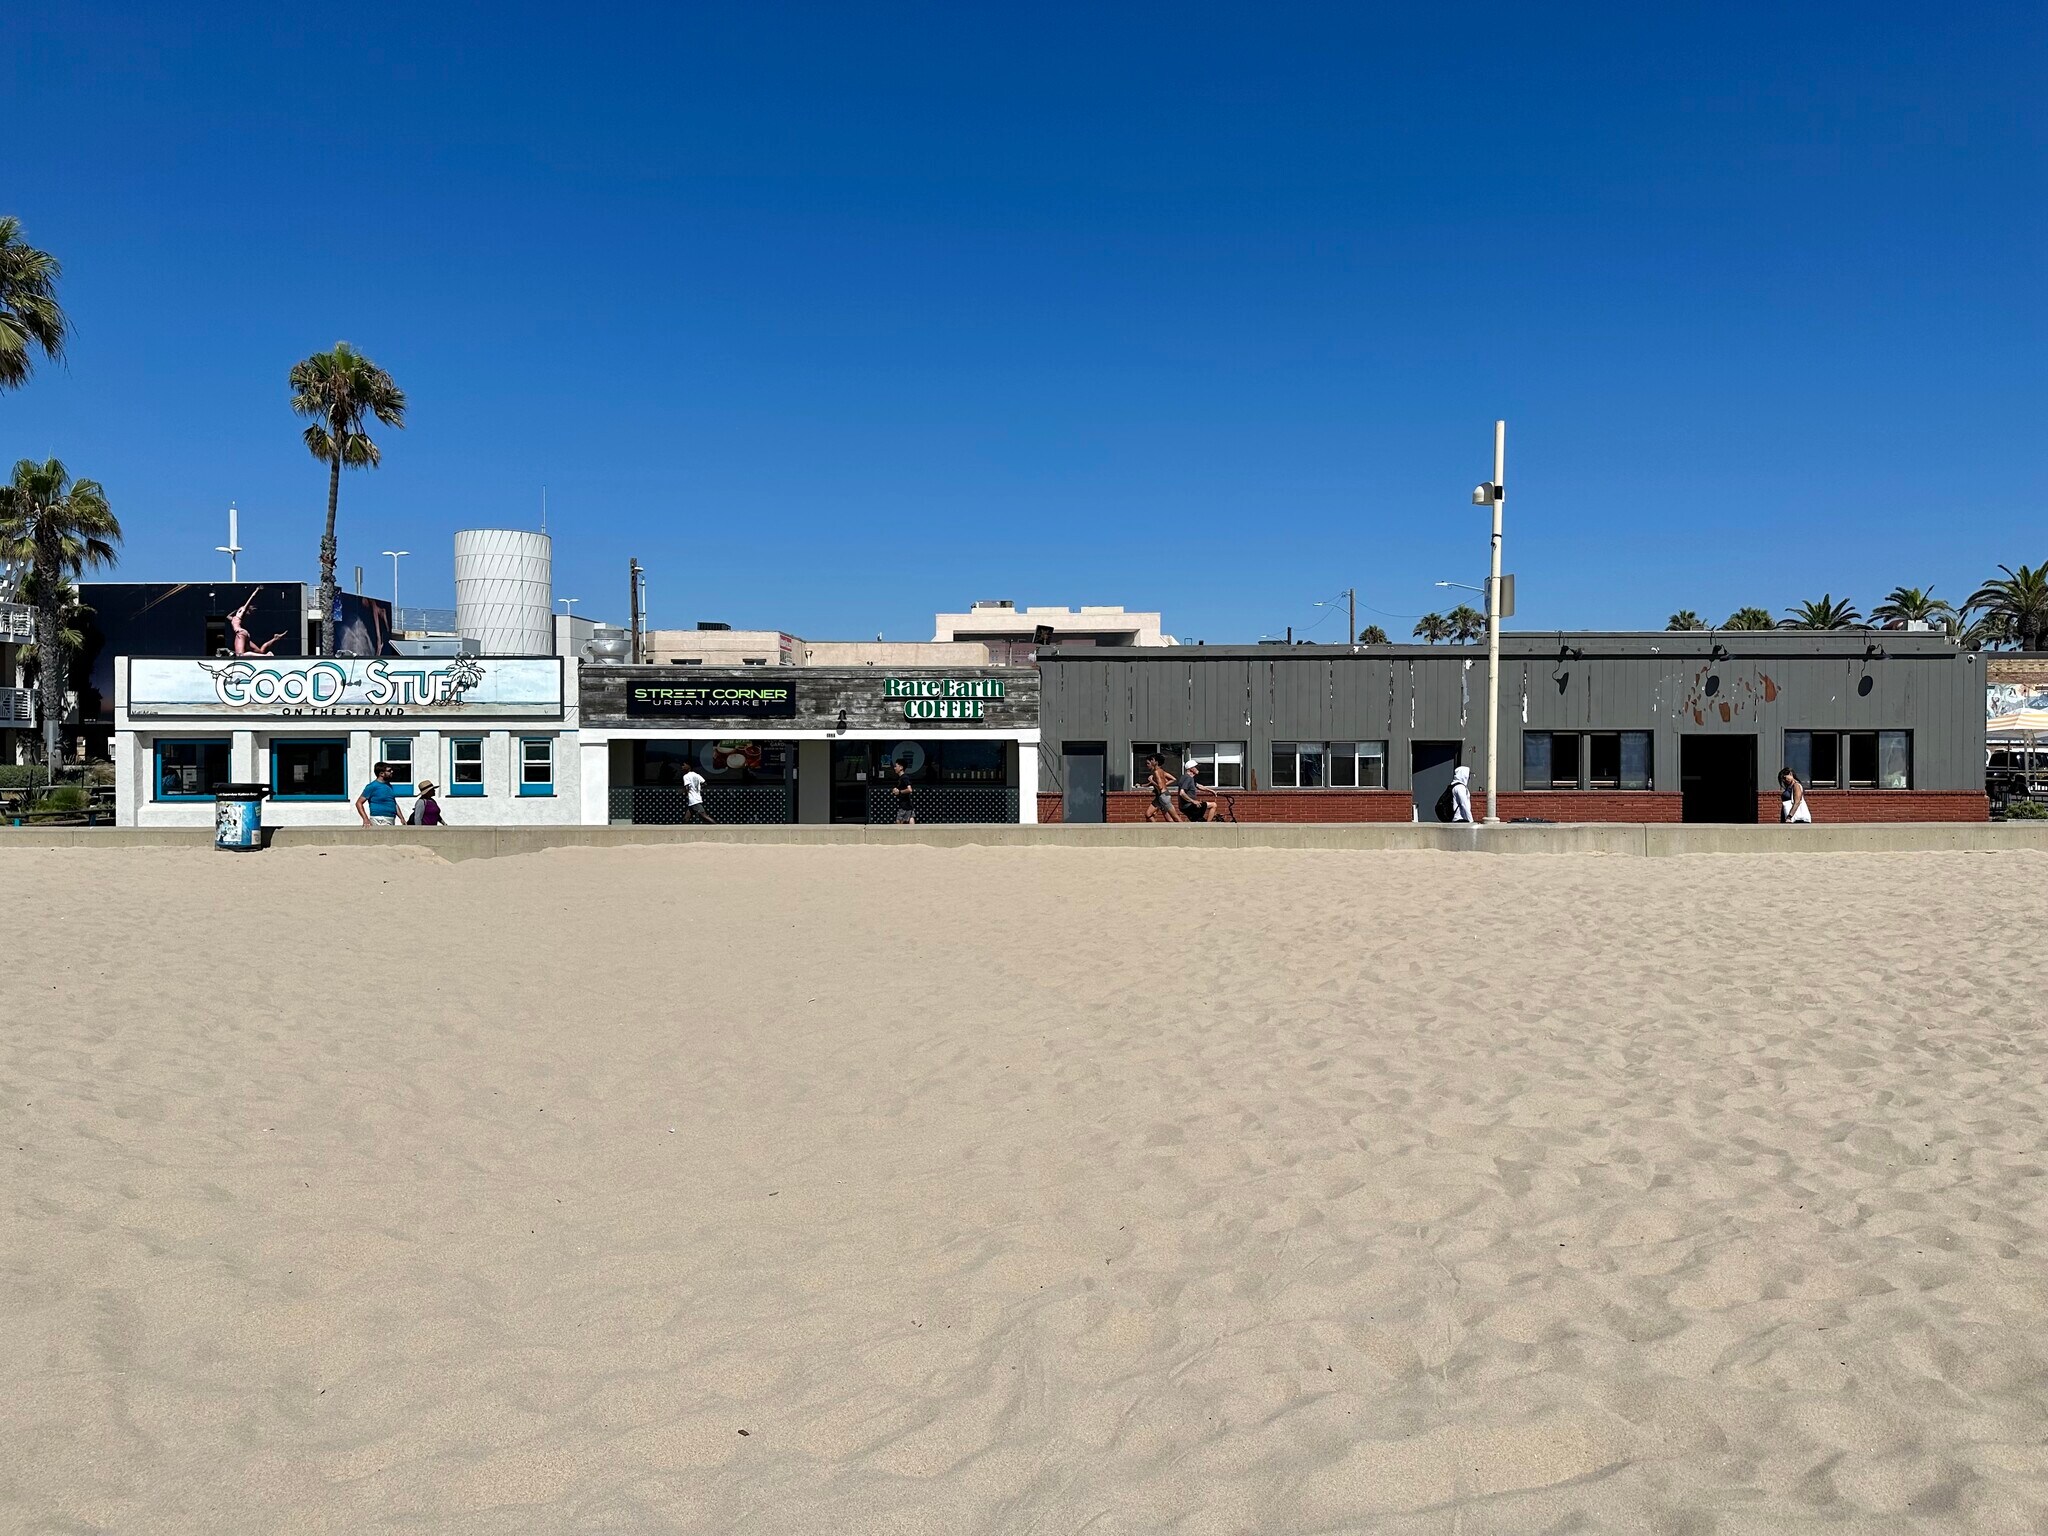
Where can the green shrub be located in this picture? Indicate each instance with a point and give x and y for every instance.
(20, 775)
(2026, 810)
(65, 797)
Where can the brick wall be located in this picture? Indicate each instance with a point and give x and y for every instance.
(1627, 805)
(1656, 807)
(1849, 805)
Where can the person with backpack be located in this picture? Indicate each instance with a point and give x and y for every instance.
(1455, 803)
(426, 810)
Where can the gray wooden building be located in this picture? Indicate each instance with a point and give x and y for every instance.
(1882, 725)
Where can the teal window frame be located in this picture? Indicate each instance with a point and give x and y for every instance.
(156, 766)
(526, 787)
(456, 789)
(402, 786)
(279, 794)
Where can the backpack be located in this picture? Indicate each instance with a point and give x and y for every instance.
(1446, 805)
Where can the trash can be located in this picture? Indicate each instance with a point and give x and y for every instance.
(238, 816)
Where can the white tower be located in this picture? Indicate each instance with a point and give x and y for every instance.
(504, 591)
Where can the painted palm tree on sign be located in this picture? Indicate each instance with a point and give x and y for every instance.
(1751, 618)
(1372, 634)
(1432, 627)
(1825, 613)
(1685, 618)
(2018, 603)
(1914, 605)
(1467, 623)
(31, 319)
(55, 528)
(339, 390)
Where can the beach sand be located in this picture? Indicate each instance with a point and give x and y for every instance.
(894, 1190)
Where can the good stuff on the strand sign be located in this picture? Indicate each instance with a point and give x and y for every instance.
(380, 687)
(942, 698)
(747, 701)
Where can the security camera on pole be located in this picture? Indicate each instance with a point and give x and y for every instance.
(1494, 493)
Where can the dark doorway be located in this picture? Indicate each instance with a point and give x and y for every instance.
(1086, 762)
(1429, 768)
(1717, 777)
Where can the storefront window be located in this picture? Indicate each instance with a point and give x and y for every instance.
(1851, 759)
(536, 765)
(188, 770)
(662, 764)
(466, 766)
(397, 751)
(1219, 764)
(303, 769)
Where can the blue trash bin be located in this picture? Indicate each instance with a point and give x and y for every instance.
(238, 816)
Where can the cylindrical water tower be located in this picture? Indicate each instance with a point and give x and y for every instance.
(505, 591)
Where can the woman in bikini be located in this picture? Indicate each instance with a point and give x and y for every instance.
(244, 646)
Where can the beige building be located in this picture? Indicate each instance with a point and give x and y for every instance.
(777, 648)
(1012, 634)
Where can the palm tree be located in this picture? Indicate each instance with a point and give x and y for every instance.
(1685, 618)
(338, 389)
(2018, 601)
(58, 528)
(1372, 634)
(1432, 627)
(1989, 633)
(1467, 623)
(1913, 605)
(1824, 614)
(1751, 618)
(71, 616)
(30, 316)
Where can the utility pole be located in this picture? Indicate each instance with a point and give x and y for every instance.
(233, 547)
(1495, 493)
(1351, 635)
(633, 575)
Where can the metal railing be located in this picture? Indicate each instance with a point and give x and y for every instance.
(728, 804)
(940, 803)
(17, 706)
(17, 624)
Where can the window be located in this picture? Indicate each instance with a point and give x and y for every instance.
(1219, 764)
(1609, 760)
(686, 661)
(754, 661)
(188, 770)
(302, 769)
(1358, 765)
(1299, 765)
(536, 765)
(466, 765)
(1851, 759)
(1894, 759)
(397, 751)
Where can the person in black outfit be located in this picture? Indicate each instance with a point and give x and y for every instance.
(905, 791)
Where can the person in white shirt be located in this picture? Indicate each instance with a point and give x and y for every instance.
(1461, 793)
(693, 789)
(1793, 806)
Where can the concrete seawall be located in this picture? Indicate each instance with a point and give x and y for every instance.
(458, 843)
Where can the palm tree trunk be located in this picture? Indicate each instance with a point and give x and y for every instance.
(327, 552)
(51, 667)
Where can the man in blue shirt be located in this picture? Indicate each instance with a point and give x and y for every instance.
(378, 803)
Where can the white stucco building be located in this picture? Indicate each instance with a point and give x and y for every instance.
(496, 735)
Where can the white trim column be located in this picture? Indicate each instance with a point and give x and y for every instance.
(594, 768)
(1027, 782)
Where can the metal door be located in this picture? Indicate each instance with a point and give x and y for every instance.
(1429, 766)
(1086, 765)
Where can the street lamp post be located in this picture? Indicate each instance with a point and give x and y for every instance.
(1495, 493)
(395, 554)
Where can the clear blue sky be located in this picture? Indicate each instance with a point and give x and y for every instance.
(839, 315)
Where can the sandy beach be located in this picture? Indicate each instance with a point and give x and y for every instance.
(916, 1190)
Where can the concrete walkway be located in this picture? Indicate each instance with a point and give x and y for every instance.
(457, 843)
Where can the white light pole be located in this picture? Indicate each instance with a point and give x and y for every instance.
(1494, 492)
(233, 547)
(395, 554)
(569, 605)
